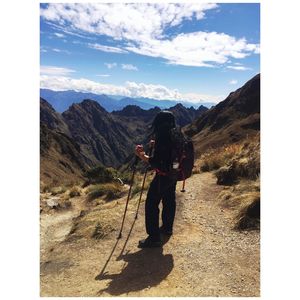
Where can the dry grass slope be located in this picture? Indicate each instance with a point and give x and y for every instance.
(237, 166)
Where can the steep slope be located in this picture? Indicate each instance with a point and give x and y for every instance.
(185, 115)
(138, 120)
(103, 139)
(51, 118)
(60, 158)
(231, 120)
(86, 135)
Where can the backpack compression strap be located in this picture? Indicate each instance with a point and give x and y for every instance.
(182, 172)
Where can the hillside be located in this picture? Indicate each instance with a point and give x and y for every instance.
(51, 118)
(86, 136)
(232, 120)
(60, 158)
(60, 155)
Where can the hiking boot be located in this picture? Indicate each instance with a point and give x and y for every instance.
(165, 231)
(150, 243)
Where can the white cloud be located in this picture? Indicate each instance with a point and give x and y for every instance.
(238, 68)
(61, 51)
(106, 48)
(141, 27)
(129, 67)
(233, 81)
(103, 75)
(110, 66)
(195, 49)
(59, 35)
(56, 71)
(123, 21)
(130, 89)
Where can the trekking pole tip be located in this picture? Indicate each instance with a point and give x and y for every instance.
(182, 191)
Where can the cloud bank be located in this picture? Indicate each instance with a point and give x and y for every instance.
(58, 82)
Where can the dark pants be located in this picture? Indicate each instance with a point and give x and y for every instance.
(161, 188)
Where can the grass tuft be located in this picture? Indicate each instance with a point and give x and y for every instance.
(233, 162)
(58, 190)
(75, 191)
(109, 190)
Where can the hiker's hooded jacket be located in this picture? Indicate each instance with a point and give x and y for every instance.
(162, 157)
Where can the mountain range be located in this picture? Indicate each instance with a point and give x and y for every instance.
(86, 135)
(62, 100)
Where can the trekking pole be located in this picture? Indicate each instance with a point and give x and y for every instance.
(129, 193)
(143, 184)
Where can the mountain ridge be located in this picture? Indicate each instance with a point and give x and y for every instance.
(61, 100)
(107, 138)
(99, 137)
(229, 121)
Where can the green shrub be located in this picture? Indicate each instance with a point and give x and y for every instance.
(110, 190)
(100, 175)
(125, 177)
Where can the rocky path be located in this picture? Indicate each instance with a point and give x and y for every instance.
(204, 257)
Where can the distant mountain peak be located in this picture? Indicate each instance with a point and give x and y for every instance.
(131, 110)
(88, 105)
(178, 105)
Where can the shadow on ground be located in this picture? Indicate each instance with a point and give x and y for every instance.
(145, 268)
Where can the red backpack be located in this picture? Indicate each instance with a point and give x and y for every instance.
(182, 156)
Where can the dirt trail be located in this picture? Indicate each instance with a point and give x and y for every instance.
(204, 257)
(56, 226)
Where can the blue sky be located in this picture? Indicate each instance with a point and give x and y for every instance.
(195, 52)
